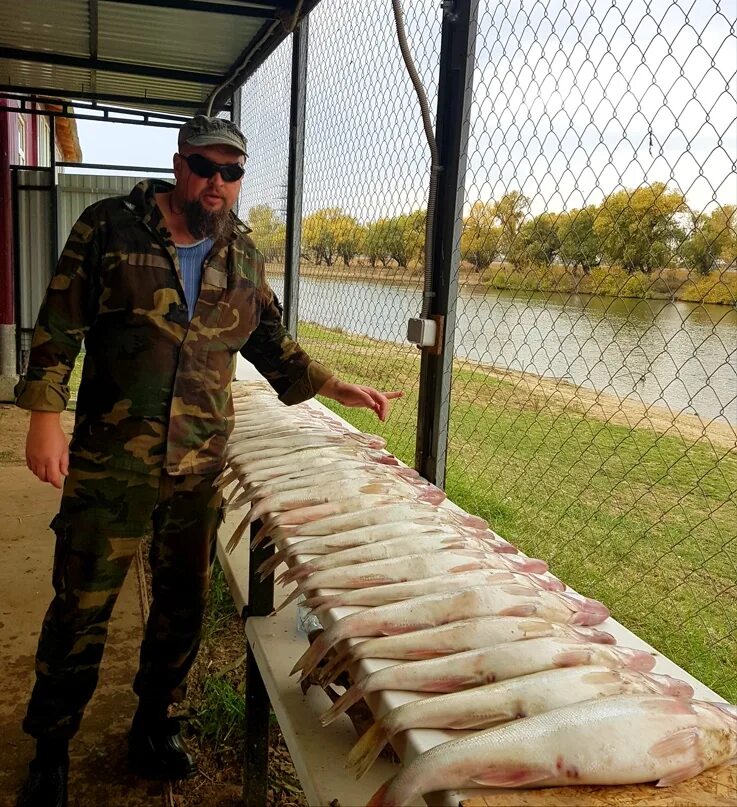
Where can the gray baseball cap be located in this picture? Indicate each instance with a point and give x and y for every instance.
(203, 131)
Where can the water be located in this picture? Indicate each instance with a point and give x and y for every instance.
(678, 355)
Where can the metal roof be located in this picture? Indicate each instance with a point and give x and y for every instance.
(169, 55)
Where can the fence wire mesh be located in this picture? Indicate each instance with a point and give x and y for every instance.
(594, 394)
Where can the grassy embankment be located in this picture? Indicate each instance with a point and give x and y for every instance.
(604, 281)
(640, 519)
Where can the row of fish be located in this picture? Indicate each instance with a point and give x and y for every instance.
(492, 641)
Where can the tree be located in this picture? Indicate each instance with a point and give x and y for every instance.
(403, 237)
(536, 242)
(509, 213)
(480, 237)
(711, 239)
(579, 242)
(375, 242)
(268, 232)
(639, 229)
(349, 238)
(320, 236)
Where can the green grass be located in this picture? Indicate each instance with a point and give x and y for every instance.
(644, 521)
(220, 606)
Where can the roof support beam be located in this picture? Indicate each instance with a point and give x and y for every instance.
(141, 102)
(128, 68)
(267, 11)
(260, 48)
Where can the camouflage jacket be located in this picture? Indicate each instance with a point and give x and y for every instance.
(155, 389)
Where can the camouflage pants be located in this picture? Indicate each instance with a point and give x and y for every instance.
(103, 516)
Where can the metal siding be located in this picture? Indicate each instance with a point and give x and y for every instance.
(61, 26)
(34, 244)
(185, 39)
(78, 191)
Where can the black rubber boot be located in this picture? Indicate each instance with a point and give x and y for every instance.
(46, 783)
(156, 750)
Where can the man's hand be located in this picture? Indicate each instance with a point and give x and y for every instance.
(359, 395)
(47, 448)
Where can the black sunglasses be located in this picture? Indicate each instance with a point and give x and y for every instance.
(230, 172)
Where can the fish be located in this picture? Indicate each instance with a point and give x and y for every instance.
(432, 610)
(407, 544)
(456, 637)
(413, 567)
(315, 512)
(325, 544)
(396, 592)
(513, 699)
(624, 739)
(328, 493)
(487, 665)
(369, 516)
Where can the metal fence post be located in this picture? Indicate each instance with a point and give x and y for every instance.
(295, 175)
(455, 84)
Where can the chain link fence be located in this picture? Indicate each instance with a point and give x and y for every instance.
(593, 416)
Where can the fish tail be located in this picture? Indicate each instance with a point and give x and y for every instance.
(291, 598)
(296, 573)
(319, 601)
(257, 510)
(345, 701)
(238, 533)
(312, 656)
(268, 566)
(364, 753)
(333, 669)
(224, 478)
(260, 535)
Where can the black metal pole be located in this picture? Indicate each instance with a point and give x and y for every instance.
(295, 175)
(455, 84)
(256, 753)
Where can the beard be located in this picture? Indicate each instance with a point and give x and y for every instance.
(203, 223)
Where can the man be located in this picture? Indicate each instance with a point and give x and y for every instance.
(165, 288)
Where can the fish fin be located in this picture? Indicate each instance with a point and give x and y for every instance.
(395, 630)
(523, 609)
(466, 567)
(668, 706)
(572, 658)
(379, 798)
(681, 742)
(364, 753)
(512, 776)
(425, 653)
(517, 590)
(592, 635)
(638, 660)
(312, 656)
(452, 684)
(480, 722)
(601, 677)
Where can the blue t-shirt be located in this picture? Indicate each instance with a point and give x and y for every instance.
(191, 257)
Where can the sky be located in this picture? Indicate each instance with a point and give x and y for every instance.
(571, 101)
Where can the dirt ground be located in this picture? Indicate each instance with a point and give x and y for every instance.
(98, 774)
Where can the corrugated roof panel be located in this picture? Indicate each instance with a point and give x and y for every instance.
(189, 40)
(61, 26)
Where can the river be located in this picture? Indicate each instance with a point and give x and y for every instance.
(678, 355)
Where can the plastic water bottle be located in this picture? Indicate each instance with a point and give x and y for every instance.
(307, 622)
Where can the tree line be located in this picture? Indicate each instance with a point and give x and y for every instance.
(639, 230)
